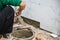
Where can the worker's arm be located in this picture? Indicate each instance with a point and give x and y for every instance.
(19, 3)
(21, 7)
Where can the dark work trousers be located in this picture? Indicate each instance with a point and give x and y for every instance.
(6, 20)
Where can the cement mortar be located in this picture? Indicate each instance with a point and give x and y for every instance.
(26, 34)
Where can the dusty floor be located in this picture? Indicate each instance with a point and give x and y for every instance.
(44, 35)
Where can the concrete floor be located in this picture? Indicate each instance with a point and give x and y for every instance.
(44, 35)
(35, 28)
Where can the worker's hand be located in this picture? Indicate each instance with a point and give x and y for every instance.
(21, 7)
(15, 19)
(18, 13)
